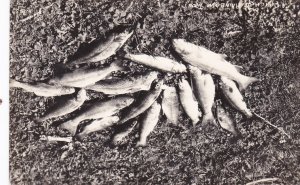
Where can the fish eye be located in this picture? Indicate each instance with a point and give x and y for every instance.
(220, 118)
(230, 89)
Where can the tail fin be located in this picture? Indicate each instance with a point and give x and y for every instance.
(71, 126)
(141, 143)
(245, 81)
(208, 119)
(14, 83)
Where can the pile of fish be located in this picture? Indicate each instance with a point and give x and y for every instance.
(147, 94)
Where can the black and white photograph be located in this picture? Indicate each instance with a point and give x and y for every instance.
(154, 92)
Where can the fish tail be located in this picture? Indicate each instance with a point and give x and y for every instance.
(245, 81)
(41, 119)
(208, 119)
(141, 143)
(14, 83)
(71, 126)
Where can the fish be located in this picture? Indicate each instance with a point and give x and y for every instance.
(170, 104)
(234, 96)
(188, 101)
(83, 77)
(211, 62)
(204, 89)
(97, 110)
(149, 121)
(105, 49)
(226, 121)
(65, 107)
(157, 62)
(42, 89)
(125, 86)
(143, 104)
(124, 132)
(97, 125)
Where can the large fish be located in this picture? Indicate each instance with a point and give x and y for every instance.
(171, 104)
(149, 121)
(97, 125)
(42, 89)
(123, 133)
(211, 62)
(98, 110)
(188, 102)
(161, 63)
(123, 86)
(66, 107)
(204, 89)
(143, 103)
(105, 49)
(83, 77)
(234, 96)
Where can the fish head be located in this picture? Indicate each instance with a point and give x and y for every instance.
(180, 46)
(125, 101)
(183, 84)
(114, 119)
(194, 69)
(153, 75)
(68, 90)
(222, 116)
(158, 85)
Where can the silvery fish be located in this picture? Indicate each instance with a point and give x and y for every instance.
(123, 86)
(188, 102)
(106, 49)
(119, 136)
(161, 63)
(66, 107)
(83, 77)
(98, 110)
(149, 121)
(204, 89)
(225, 121)
(171, 104)
(234, 96)
(42, 89)
(211, 62)
(97, 125)
(143, 103)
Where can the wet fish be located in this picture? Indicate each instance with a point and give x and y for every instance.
(98, 110)
(42, 89)
(234, 96)
(65, 107)
(161, 63)
(188, 102)
(123, 86)
(119, 136)
(204, 89)
(225, 121)
(106, 49)
(171, 105)
(211, 62)
(83, 77)
(149, 121)
(143, 103)
(97, 125)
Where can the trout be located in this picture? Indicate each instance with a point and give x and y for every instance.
(170, 104)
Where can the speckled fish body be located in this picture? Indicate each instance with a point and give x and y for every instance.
(42, 89)
(124, 86)
(149, 121)
(105, 49)
(66, 107)
(234, 96)
(143, 103)
(204, 89)
(211, 62)
(188, 101)
(225, 121)
(122, 134)
(98, 110)
(97, 125)
(156, 62)
(83, 77)
(171, 104)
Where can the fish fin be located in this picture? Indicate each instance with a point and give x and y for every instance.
(238, 68)
(245, 81)
(71, 126)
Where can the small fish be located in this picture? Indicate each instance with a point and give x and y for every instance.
(188, 102)
(83, 77)
(149, 121)
(160, 63)
(171, 104)
(123, 86)
(211, 62)
(234, 96)
(204, 89)
(143, 104)
(225, 121)
(106, 49)
(97, 125)
(98, 110)
(119, 136)
(42, 89)
(65, 107)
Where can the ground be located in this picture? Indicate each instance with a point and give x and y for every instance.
(261, 37)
